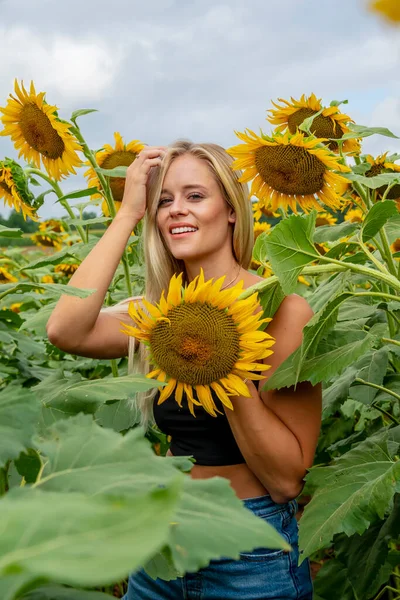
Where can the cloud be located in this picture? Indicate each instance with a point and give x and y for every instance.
(70, 69)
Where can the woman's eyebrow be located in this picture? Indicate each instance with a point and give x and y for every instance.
(190, 186)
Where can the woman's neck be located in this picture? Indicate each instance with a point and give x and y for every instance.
(213, 269)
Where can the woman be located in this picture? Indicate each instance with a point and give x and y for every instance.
(198, 216)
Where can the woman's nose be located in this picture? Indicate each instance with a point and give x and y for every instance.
(178, 207)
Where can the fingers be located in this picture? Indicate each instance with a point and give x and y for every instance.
(151, 162)
(151, 152)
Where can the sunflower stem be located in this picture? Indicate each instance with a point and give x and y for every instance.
(390, 341)
(377, 295)
(387, 254)
(362, 193)
(390, 280)
(59, 193)
(372, 258)
(378, 387)
(107, 195)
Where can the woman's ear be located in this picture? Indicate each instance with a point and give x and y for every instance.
(232, 216)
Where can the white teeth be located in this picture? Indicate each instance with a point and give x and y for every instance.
(182, 229)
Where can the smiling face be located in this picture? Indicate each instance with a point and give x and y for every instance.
(193, 217)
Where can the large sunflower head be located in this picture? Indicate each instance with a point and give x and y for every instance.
(6, 276)
(202, 339)
(14, 189)
(67, 269)
(48, 239)
(330, 124)
(38, 133)
(52, 225)
(122, 155)
(289, 170)
(260, 228)
(381, 165)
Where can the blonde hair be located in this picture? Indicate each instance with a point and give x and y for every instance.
(160, 264)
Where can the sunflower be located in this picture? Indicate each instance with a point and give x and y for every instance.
(290, 169)
(354, 215)
(6, 276)
(66, 268)
(395, 247)
(38, 133)
(325, 218)
(47, 240)
(109, 158)
(260, 228)
(330, 124)
(203, 340)
(390, 9)
(14, 189)
(381, 165)
(47, 279)
(53, 225)
(259, 210)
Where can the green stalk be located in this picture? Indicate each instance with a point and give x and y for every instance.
(386, 278)
(378, 387)
(59, 193)
(390, 341)
(107, 195)
(377, 295)
(387, 254)
(372, 258)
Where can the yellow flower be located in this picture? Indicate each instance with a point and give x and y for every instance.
(48, 240)
(201, 340)
(53, 225)
(14, 189)
(354, 215)
(390, 9)
(109, 158)
(395, 247)
(260, 228)
(259, 210)
(6, 276)
(289, 170)
(330, 124)
(303, 280)
(65, 268)
(38, 133)
(381, 165)
(325, 218)
(47, 279)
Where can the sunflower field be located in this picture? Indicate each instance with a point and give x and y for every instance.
(85, 497)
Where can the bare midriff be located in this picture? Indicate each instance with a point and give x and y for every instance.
(241, 478)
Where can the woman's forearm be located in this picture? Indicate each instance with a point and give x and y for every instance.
(270, 449)
(73, 317)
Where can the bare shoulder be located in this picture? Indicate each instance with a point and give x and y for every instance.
(294, 308)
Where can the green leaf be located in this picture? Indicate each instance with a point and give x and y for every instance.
(289, 248)
(357, 308)
(59, 592)
(371, 550)
(331, 582)
(338, 102)
(28, 465)
(377, 217)
(85, 222)
(270, 299)
(327, 290)
(19, 411)
(13, 584)
(81, 112)
(38, 320)
(332, 233)
(79, 194)
(307, 123)
(357, 490)
(56, 289)
(116, 172)
(374, 182)
(319, 368)
(361, 131)
(118, 416)
(10, 232)
(373, 373)
(79, 540)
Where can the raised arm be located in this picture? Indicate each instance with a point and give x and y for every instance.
(76, 325)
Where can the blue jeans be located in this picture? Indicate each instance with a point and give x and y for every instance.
(258, 575)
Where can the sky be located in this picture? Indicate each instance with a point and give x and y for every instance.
(197, 69)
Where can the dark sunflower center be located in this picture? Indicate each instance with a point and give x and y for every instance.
(290, 169)
(119, 158)
(5, 187)
(323, 127)
(199, 345)
(396, 245)
(39, 133)
(394, 192)
(44, 241)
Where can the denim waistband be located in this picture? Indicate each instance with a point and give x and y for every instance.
(264, 504)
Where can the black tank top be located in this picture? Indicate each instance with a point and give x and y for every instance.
(208, 439)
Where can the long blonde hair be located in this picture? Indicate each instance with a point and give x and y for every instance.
(160, 264)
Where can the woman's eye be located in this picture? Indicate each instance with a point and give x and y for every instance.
(163, 201)
(195, 196)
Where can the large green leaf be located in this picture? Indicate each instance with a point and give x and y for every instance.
(371, 550)
(56, 289)
(78, 251)
(271, 298)
(377, 217)
(332, 582)
(364, 131)
(327, 290)
(209, 520)
(119, 415)
(12, 584)
(374, 182)
(332, 233)
(10, 232)
(289, 248)
(79, 540)
(321, 367)
(19, 411)
(38, 320)
(374, 372)
(351, 494)
(59, 592)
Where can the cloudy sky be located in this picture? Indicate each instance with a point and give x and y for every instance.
(198, 69)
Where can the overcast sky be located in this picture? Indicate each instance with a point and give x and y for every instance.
(165, 69)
